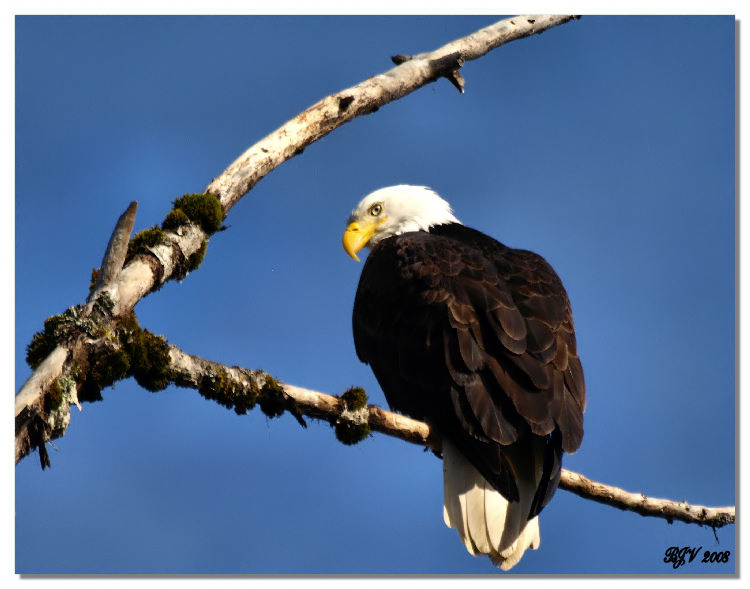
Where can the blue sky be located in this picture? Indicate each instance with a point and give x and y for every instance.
(606, 145)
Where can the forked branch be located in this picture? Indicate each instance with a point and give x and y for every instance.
(241, 388)
(146, 272)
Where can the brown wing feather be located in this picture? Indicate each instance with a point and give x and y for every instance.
(477, 339)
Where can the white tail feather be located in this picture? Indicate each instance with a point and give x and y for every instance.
(476, 516)
(454, 497)
(486, 522)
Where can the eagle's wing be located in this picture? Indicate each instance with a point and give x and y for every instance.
(476, 339)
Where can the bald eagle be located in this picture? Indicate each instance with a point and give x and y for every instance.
(476, 339)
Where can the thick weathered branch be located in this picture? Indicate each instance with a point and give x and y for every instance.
(34, 425)
(366, 97)
(52, 367)
(113, 296)
(192, 370)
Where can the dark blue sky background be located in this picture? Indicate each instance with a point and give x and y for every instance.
(606, 145)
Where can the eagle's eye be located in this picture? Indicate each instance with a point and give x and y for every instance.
(376, 209)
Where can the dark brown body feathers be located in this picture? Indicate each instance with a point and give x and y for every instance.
(477, 339)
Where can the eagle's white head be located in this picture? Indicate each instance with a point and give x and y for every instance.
(391, 211)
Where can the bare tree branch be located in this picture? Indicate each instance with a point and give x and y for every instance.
(715, 517)
(366, 97)
(114, 257)
(192, 370)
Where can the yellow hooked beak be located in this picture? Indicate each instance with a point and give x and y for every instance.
(357, 235)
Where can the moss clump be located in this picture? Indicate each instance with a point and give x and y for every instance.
(148, 354)
(201, 209)
(152, 370)
(40, 346)
(56, 329)
(205, 211)
(245, 401)
(352, 427)
(354, 398)
(144, 240)
(216, 387)
(128, 351)
(56, 325)
(109, 367)
(55, 396)
(272, 400)
(127, 326)
(174, 219)
(195, 259)
(349, 433)
(219, 387)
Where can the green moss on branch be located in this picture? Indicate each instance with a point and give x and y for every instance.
(352, 426)
(195, 259)
(221, 388)
(143, 241)
(202, 209)
(272, 399)
(148, 354)
(174, 219)
(354, 398)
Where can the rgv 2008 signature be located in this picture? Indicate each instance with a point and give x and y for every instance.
(679, 556)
